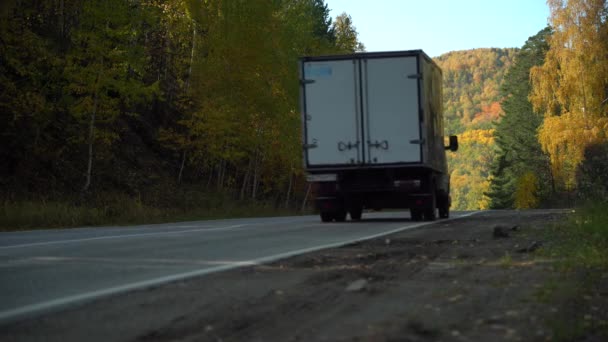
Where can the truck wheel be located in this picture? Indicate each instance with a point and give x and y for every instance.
(429, 214)
(355, 213)
(444, 207)
(444, 211)
(416, 214)
(326, 217)
(340, 216)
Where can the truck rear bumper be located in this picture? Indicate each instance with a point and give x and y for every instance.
(375, 200)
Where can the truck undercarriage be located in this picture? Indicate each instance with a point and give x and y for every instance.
(424, 192)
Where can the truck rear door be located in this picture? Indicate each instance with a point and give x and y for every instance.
(391, 110)
(331, 107)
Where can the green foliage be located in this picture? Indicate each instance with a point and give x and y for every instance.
(346, 34)
(518, 151)
(123, 96)
(122, 209)
(592, 174)
(526, 194)
(471, 84)
(583, 240)
(318, 12)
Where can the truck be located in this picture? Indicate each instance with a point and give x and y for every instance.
(373, 134)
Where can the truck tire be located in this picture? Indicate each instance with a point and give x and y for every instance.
(444, 206)
(430, 212)
(340, 216)
(416, 214)
(355, 213)
(444, 211)
(326, 216)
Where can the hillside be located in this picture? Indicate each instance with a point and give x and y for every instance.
(472, 81)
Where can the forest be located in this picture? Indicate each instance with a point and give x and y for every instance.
(121, 111)
(183, 105)
(472, 81)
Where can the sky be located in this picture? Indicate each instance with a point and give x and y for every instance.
(440, 26)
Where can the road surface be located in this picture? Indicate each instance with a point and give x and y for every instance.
(45, 270)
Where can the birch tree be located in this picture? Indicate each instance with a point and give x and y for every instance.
(571, 87)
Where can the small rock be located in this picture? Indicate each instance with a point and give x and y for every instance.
(512, 313)
(387, 241)
(357, 285)
(515, 228)
(455, 298)
(531, 248)
(500, 232)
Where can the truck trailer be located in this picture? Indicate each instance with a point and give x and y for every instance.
(373, 134)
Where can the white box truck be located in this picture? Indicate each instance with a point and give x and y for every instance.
(373, 134)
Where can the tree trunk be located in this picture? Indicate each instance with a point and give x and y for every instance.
(187, 87)
(191, 55)
(87, 183)
(246, 180)
(181, 168)
(61, 20)
(221, 170)
(254, 187)
(306, 197)
(210, 177)
(289, 190)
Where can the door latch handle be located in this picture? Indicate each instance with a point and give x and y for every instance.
(379, 144)
(347, 146)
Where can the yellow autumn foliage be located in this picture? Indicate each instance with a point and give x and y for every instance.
(569, 89)
(565, 137)
(469, 169)
(526, 194)
(479, 136)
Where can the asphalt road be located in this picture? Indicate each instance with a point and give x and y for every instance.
(46, 270)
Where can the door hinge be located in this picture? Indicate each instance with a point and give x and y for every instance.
(415, 76)
(417, 141)
(305, 82)
(309, 146)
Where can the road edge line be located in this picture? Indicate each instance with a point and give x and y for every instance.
(9, 316)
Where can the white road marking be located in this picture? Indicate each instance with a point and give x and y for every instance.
(122, 261)
(39, 308)
(122, 236)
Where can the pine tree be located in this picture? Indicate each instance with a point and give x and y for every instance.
(517, 149)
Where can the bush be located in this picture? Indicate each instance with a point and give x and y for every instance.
(592, 174)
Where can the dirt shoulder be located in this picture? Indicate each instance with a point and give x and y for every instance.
(456, 280)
